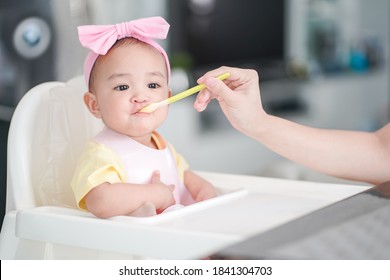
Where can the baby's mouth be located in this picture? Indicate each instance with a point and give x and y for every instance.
(138, 112)
(141, 114)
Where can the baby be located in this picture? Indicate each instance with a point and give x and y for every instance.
(128, 168)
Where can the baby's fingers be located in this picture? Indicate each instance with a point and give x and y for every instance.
(156, 180)
(155, 177)
(171, 187)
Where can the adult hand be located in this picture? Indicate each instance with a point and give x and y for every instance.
(238, 96)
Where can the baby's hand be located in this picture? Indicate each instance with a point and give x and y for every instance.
(162, 194)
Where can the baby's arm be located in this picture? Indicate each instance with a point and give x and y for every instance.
(199, 188)
(108, 200)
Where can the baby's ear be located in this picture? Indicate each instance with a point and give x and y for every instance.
(92, 104)
(169, 93)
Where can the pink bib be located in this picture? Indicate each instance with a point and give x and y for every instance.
(141, 161)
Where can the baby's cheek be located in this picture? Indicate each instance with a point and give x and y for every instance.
(162, 114)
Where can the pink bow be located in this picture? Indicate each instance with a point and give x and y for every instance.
(100, 38)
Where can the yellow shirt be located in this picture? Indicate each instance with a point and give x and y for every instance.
(99, 164)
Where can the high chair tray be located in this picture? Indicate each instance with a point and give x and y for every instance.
(248, 206)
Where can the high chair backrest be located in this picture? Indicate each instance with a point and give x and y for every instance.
(48, 132)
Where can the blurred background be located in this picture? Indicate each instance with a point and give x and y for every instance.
(323, 63)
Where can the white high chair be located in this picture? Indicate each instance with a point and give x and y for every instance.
(48, 132)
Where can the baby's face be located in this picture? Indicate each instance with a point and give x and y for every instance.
(127, 79)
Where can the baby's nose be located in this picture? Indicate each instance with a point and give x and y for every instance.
(139, 98)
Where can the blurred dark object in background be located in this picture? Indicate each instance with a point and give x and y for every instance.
(246, 33)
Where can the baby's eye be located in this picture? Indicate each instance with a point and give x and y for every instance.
(153, 85)
(122, 87)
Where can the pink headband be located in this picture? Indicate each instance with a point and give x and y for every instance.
(100, 38)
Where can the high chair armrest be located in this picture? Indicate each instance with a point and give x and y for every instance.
(73, 227)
